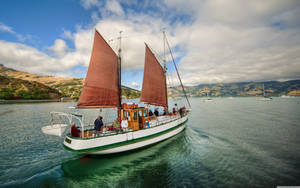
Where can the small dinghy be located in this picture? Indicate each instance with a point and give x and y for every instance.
(59, 123)
(56, 130)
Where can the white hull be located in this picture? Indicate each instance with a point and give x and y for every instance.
(127, 141)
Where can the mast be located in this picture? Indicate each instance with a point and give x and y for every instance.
(164, 39)
(120, 71)
(264, 89)
(165, 68)
(177, 72)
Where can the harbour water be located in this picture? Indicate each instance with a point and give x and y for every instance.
(239, 142)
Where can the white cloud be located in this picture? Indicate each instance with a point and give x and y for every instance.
(89, 3)
(95, 17)
(135, 85)
(59, 48)
(67, 35)
(224, 54)
(25, 58)
(236, 12)
(5, 28)
(114, 7)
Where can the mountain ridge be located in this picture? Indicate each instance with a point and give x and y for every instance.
(71, 87)
(240, 89)
(67, 87)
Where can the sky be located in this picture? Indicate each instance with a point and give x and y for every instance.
(213, 41)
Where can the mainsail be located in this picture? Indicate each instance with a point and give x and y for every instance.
(154, 90)
(101, 87)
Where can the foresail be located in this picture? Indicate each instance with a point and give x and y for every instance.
(154, 89)
(101, 87)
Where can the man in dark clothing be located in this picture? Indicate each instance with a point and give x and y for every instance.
(98, 124)
(156, 112)
(165, 113)
(150, 113)
(181, 112)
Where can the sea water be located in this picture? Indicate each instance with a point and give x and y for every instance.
(239, 142)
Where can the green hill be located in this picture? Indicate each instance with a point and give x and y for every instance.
(14, 88)
(66, 87)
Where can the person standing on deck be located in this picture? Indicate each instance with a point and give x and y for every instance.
(165, 113)
(124, 124)
(98, 124)
(156, 112)
(150, 113)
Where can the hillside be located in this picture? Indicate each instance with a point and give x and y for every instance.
(242, 89)
(14, 88)
(71, 87)
(67, 87)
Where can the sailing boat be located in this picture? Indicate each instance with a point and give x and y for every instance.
(208, 99)
(265, 98)
(102, 89)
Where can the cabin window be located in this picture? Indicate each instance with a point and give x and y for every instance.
(128, 116)
(145, 113)
(140, 113)
(134, 115)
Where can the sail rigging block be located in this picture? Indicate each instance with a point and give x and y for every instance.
(101, 87)
(154, 89)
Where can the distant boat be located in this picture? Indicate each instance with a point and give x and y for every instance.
(208, 99)
(102, 89)
(230, 98)
(265, 98)
(286, 96)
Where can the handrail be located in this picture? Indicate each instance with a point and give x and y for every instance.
(79, 117)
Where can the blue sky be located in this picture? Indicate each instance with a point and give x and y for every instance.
(213, 41)
(43, 20)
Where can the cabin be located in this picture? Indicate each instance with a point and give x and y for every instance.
(136, 116)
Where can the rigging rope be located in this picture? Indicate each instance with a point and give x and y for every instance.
(178, 73)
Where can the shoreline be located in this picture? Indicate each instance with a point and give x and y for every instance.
(34, 101)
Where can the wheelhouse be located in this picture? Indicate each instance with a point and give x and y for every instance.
(138, 117)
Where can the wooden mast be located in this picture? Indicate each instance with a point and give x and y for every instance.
(165, 69)
(120, 74)
(120, 71)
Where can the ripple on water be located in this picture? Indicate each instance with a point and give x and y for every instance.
(241, 142)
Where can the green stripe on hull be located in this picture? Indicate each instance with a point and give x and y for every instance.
(133, 141)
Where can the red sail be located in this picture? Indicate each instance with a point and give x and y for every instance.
(101, 87)
(154, 89)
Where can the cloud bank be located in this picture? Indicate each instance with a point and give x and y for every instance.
(213, 41)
